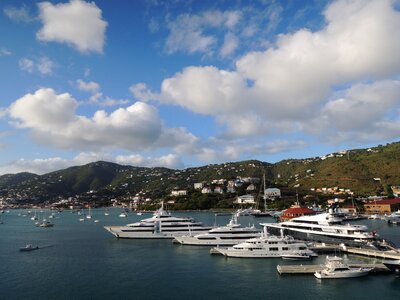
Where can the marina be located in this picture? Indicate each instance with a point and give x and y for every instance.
(133, 267)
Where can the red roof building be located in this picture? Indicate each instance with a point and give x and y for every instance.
(294, 212)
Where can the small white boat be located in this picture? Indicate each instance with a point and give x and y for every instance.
(334, 268)
(46, 224)
(123, 215)
(96, 221)
(29, 247)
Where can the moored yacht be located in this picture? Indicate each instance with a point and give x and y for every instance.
(326, 227)
(268, 246)
(334, 267)
(162, 225)
(230, 234)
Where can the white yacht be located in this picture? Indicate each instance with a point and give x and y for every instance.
(325, 227)
(268, 246)
(160, 226)
(394, 218)
(335, 268)
(230, 234)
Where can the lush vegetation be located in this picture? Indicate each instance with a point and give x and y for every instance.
(363, 171)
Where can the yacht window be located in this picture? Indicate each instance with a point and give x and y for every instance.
(273, 249)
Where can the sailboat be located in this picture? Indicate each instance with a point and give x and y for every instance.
(34, 218)
(89, 215)
(265, 213)
(106, 213)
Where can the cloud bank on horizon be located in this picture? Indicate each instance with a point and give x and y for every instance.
(217, 83)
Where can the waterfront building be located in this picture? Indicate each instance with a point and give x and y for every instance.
(382, 206)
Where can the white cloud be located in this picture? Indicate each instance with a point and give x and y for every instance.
(231, 42)
(18, 14)
(77, 23)
(101, 100)
(26, 64)
(90, 86)
(285, 87)
(187, 32)
(5, 52)
(364, 112)
(43, 65)
(97, 97)
(171, 161)
(52, 120)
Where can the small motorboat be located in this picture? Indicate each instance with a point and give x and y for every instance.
(334, 268)
(29, 247)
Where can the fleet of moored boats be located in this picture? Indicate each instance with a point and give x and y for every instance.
(287, 240)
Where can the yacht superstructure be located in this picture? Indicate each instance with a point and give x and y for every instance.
(326, 227)
(268, 246)
(230, 234)
(160, 226)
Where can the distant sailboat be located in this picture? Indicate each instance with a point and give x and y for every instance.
(89, 215)
(106, 213)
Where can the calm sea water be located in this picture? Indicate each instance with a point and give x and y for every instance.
(83, 261)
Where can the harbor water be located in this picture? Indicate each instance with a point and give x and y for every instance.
(81, 260)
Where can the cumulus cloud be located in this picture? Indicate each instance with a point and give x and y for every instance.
(52, 120)
(43, 65)
(285, 87)
(364, 112)
(77, 23)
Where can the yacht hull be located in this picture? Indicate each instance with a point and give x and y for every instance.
(215, 241)
(118, 231)
(319, 237)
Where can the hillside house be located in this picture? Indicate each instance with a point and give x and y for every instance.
(245, 199)
(272, 193)
(198, 185)
(178, 193)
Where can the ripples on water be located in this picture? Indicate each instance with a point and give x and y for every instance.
(83, 261)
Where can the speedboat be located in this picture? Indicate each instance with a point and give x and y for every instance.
(268, 246)
(162, 225)
(29, 247)
(393, 265)
(230, 234)
(335, 268)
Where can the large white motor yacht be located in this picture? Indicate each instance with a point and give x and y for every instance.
(326, 227)
(230, 234)
(335, 268)
(162, 225)
(268, 246)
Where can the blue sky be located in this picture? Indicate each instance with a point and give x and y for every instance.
(188, 83)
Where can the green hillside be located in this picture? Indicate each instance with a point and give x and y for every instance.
(363, 171)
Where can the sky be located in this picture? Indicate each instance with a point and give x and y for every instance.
(185, 83)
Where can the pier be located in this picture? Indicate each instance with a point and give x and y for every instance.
(332, 248)
(311, 269)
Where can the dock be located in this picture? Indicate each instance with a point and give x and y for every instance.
(311, 269)
(332, 248)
